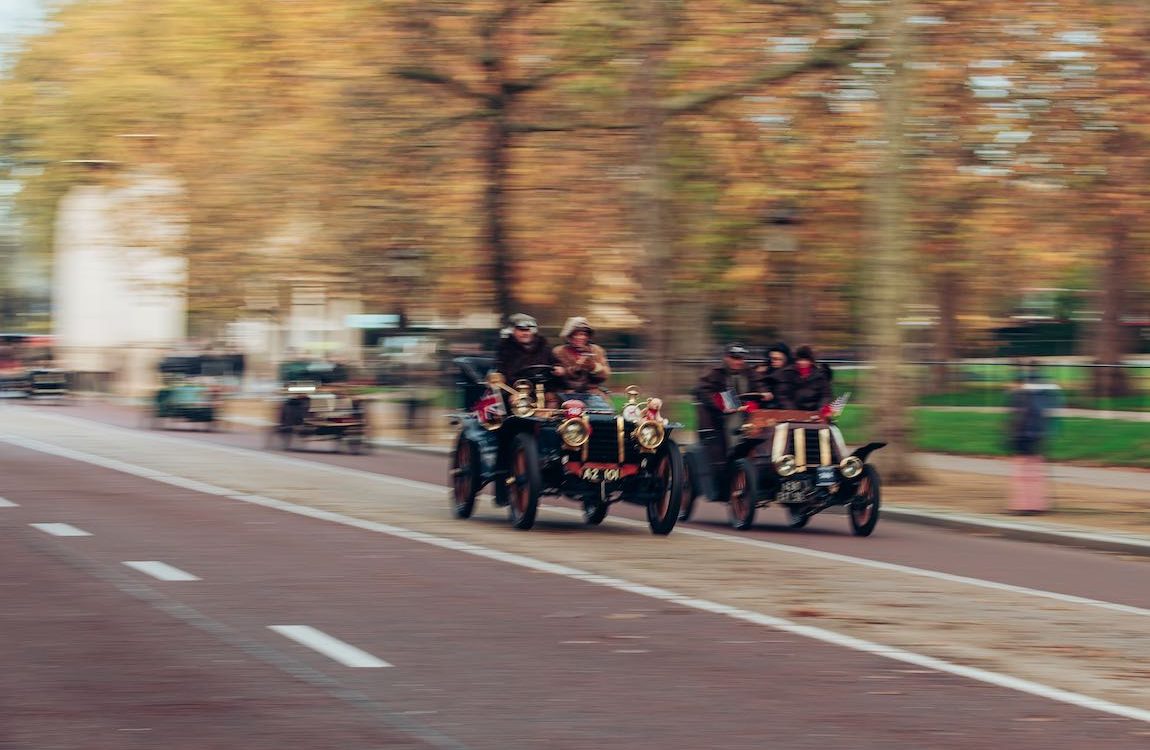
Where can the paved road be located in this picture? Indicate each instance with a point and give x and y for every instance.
(483, 654)
(1068, 571)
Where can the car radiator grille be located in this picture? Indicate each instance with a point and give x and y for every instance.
(811, 452)
(603, 447)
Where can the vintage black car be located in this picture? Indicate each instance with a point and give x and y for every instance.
(188, 400)
(49, 382)
(795, 459)
(310, 412)
(523, 443)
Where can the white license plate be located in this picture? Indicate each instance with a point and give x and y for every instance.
(595, 474)
(825, 476)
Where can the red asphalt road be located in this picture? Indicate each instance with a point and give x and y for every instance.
(486, 655)
(1096, 575)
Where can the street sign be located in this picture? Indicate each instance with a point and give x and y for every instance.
(372, 321)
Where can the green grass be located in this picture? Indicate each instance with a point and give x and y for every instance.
(1098, 441)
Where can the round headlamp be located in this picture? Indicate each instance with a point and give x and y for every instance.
(785, 465)
(574, 432)
(851, 467)
(649, 434)
(522, 407)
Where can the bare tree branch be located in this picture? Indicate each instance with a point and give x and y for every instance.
(569, 127)
(426, 75)
(828, 58)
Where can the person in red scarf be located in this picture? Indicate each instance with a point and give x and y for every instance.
(584, 364)
(805, 385)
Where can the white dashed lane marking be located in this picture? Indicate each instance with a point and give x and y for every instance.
(160, 571)
(59, 529)
(6, 503)
(333, 648)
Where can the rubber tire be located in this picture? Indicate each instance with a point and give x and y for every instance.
(528, 486)
(690, 486)
(796, 520)
(595, 513)
(286, 440)
(464, 492)
(663, 514)
(355, 446)
(742, 512)
(863, 525)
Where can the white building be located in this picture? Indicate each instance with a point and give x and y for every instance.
(120, 279)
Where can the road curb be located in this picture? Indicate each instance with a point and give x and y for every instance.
(1022, 531)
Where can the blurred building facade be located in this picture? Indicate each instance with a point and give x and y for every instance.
(119, 276)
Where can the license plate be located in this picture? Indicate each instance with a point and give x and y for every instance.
(825, 476)
(595, 474)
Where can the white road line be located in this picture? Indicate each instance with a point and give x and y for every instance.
(197, 486)
(160, 570)
(6, 503)
(777, 623)
(333, 648)
(59, 529)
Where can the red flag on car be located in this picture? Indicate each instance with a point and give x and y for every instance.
(490, 407)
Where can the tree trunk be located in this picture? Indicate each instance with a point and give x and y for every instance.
(946, 339)
(655, 238)
(889, 389)
(496, 149)
(1109, 379)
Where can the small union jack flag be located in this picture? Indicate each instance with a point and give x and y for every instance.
(727, 401)
(490, 407)
(839, 404)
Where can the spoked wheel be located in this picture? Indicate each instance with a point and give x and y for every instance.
(864, 509)
(594, 511)
(526, 482)
(663, 509)
(743, 495)
(690, 486)
(464, 477)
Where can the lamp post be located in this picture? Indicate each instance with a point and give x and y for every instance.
(782, 257)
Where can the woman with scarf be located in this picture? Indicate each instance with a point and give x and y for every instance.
(805, 384)
(584, 364)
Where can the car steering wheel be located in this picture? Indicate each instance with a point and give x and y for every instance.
(535, 373)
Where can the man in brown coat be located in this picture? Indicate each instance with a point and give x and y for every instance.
(584, 364)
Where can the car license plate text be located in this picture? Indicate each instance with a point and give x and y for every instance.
(595, 474)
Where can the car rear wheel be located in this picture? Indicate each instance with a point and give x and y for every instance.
(690, 485)
(864, 509)
(464, 477)
(664, 507)
(526, 482)
(742, 495)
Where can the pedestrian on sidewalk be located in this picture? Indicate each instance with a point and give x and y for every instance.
(1030, 415)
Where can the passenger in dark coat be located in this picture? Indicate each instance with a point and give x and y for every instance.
(805, 384)
(768, 375)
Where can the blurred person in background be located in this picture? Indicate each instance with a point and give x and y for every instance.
(584, 364)
(805, 385)
(719, 412)
(1032, 402)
